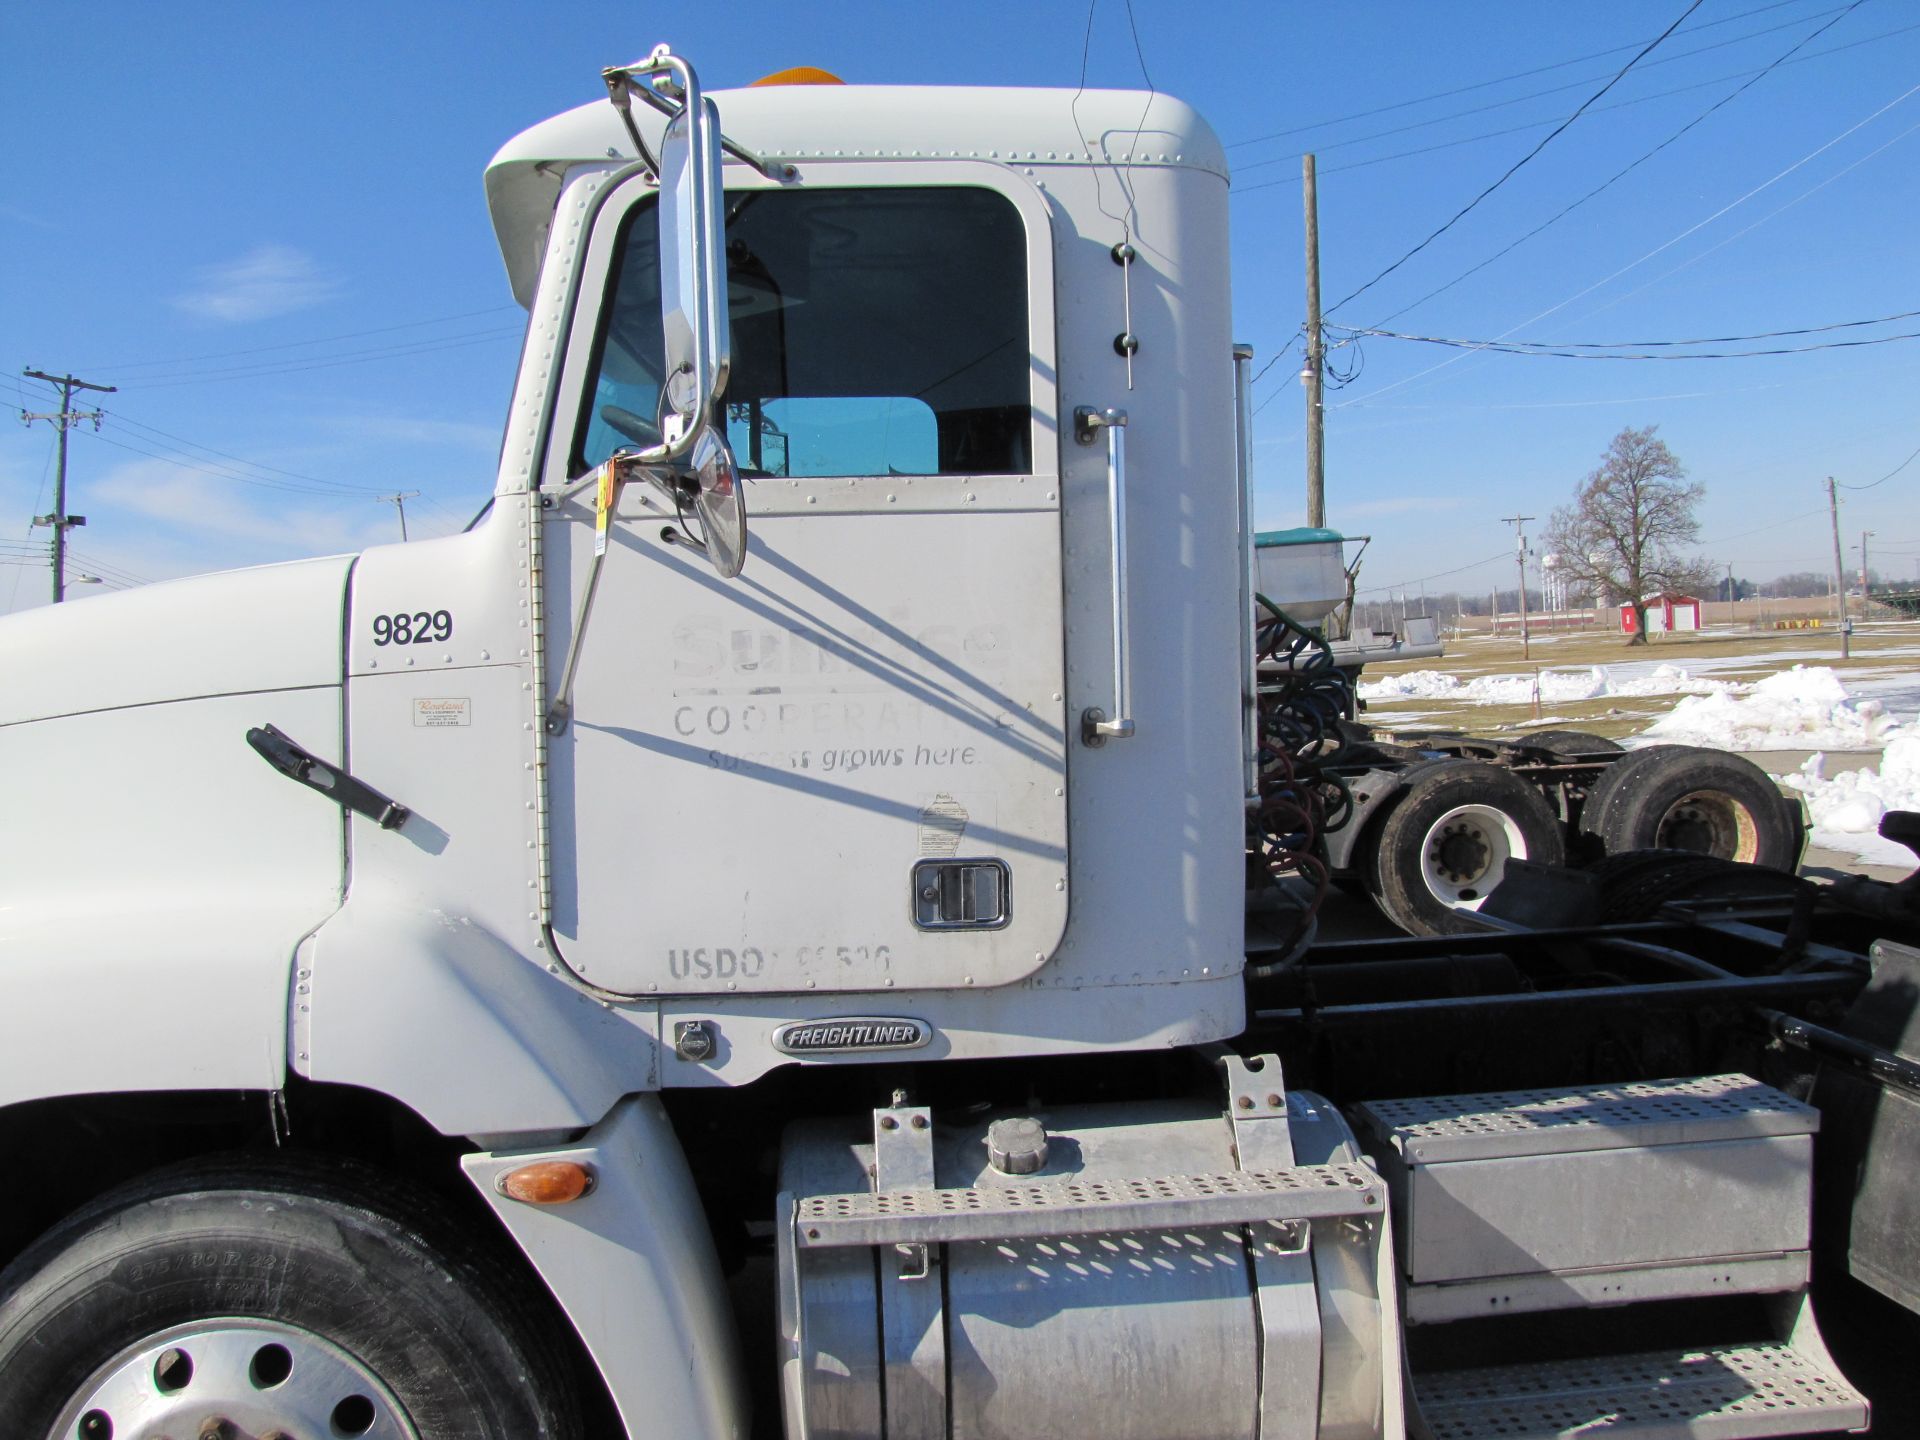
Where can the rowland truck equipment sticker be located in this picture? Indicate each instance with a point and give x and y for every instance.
(851, 1033)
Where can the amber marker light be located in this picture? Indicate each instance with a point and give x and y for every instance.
(800, 75)
(547, 1182)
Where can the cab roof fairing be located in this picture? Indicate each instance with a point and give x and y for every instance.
(1027, 127)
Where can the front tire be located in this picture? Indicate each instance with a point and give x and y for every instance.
(274, 1301)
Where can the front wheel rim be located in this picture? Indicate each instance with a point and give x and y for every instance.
(1464, 854)
(239, 1378)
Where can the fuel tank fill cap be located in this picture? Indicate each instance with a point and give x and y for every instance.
(1017, 1146)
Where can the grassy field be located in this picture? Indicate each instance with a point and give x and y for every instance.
(1881, 651)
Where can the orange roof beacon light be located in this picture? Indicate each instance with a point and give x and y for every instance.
(799, 75)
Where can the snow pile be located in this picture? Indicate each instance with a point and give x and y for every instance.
(1797, 709)
(1557, 687)
(1846, 809)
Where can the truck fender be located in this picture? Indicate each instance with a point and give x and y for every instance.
(449, 1019)
(632, 1264)
(1372, 791)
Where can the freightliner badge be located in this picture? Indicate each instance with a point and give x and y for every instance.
(851, 1033)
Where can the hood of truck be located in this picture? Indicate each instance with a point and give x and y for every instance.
(274, 627)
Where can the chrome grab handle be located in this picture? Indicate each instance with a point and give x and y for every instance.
(1095, 726)
(1249, 585)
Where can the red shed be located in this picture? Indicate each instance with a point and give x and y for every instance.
(1665, 612)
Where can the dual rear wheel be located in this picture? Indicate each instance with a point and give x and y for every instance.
(1435, 856)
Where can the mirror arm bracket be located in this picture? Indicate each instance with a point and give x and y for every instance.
(620, 89)
(622, 86)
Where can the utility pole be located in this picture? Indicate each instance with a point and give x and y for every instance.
(64, 420)
(1839, 569)
(1866, 595)
(399, 502)
(1315, 370)
(1519, 523)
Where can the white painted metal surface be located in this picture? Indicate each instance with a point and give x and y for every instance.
(155, 877)
(276, 627)
(634, 1268)
(755, 765)
(1031, 130)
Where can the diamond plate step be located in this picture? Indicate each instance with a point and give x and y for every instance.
(1730, 1392)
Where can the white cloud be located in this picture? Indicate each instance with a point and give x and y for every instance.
(268, 280)
(220, 523)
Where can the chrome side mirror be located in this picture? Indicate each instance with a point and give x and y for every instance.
(692, 242)
(692, 452)
(693, 257)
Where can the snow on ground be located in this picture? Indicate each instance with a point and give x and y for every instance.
(1556, 686)
(1807, 708)
(1846, 809)
(1799, 709)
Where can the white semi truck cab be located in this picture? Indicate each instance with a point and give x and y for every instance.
(749, 937)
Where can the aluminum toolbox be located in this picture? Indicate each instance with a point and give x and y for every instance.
(1606, 1193)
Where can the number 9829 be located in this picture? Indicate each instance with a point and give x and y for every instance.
(417, 627)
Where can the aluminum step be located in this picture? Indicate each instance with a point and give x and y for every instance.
(1728, 1392)
(1036, 1210)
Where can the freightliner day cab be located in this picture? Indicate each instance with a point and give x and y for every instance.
(618, 972)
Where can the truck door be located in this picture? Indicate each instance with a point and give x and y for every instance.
(846, 768)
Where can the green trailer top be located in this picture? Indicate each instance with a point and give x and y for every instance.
(1302, 535)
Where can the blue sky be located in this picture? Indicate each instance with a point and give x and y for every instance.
(266, 224)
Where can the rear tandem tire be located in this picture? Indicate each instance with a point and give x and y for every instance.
(1681, 797)
(280, 1300)
(1441, 850)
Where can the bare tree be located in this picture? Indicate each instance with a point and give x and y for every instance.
(1622, 536)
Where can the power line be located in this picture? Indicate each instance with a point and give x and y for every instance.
(1761, 529)
(1324, 147)
(1638, 344)
(301, 344)
(1886, 477)
(1773, 214)
(1664, 245)
(105, 567)
(227, 472)
(1515, 167)
(1621, 174)
(1498, 80)
(359, 357)
(327, 485)
(13, 591)
(1437, 575)
(1499, 347)
(1599, 110)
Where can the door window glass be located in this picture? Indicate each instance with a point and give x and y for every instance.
(875, 332)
